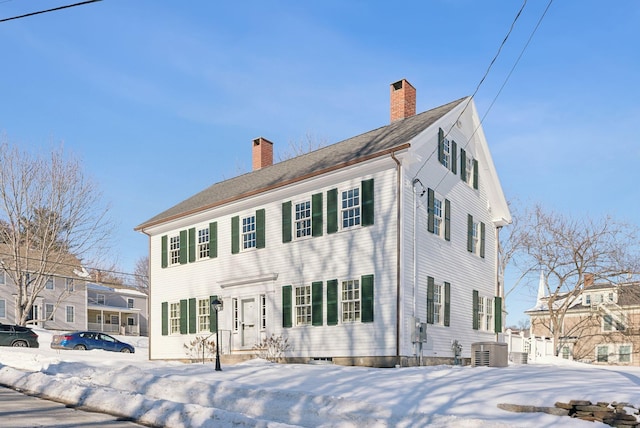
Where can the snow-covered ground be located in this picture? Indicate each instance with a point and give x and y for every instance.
(262, 394)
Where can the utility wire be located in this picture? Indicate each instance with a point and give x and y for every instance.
(486, 73)
(49, 10)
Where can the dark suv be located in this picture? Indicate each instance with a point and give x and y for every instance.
(17, 335)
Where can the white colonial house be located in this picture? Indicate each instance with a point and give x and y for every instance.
(378, 250)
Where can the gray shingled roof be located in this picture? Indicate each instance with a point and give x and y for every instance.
(352, 150)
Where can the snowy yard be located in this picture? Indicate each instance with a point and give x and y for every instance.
(262, 394)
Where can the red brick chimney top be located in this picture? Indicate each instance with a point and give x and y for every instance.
(262, 153)
(403, 100)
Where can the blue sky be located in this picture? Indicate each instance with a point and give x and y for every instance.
(160, 99)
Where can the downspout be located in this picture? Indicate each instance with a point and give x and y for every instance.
(398, 253)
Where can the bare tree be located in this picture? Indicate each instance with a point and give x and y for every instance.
(52, 217)
(567, 249)
(308, 144)
(141, 274)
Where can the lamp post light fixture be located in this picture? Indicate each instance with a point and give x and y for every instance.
(216, 305)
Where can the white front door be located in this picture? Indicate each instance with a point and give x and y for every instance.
(248, 323)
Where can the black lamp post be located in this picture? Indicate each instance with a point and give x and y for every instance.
(216, 305)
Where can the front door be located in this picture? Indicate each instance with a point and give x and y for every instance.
(248, 324)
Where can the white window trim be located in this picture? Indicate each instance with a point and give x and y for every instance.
(3, 314)
(263, 312)
(476, 238)
(174, 318)
(446, 153)
(73, 313)
(297, 221)
(174, 249)
(203, 247)
(485, 313)
(597, 351)
(52, 312)
(620, 345)
(438, 306)
(469, 169)
(250, 243)
(356, 208)
(50, 280)
(351, 306)
(204, 315)
(3, 278)
(302, 304)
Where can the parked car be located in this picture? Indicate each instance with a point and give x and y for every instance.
(17, 335)
(86, 340)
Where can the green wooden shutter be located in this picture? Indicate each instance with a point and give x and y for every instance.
(332, 211)
(431, 198)
(316, 303)
(213, 325)
(482, 240)
(193, 319)
(286, 222)
(366, 285)
(165, 318)
(463, 165)
(475, 174)
(497, 313)
(287, 320)
(184, 311)
(260, 228)
(447, 304)
(213, 240)
(235, 235)
(469, 233)
(316, 214)
(430, 300)
(476, 308)
(447, 220)
(454, 157)
(184, 247)
(441, 146)
(332, 302)
(367, 202)
(192, 245)
(165, 258)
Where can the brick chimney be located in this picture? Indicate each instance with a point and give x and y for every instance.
(403, 100)
(262, 153)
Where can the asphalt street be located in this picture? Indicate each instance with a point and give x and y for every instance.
(18, 410)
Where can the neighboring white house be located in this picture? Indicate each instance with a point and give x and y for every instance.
(378, 250)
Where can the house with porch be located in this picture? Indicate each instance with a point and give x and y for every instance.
(116, 310)
(602, 325)
(379, 250)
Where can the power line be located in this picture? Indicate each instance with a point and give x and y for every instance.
(49, 10)
(486, 73)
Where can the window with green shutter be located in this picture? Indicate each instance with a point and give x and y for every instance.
(287, 320)
(235, 235)
(470, 239)
(184, 247)
(367, 298)
(463, 165)
(193, 319)
(454, 157)
(316, 214)
(184, 311)
(447, 220)
(482, 241)
(286, 222)
(192, 245)
(332, 211)
(165, 251)
(430, 299)
(316, 303)
(213, 240)
(498, 314)
(475, 174)
(332, 302)
(367, 202)
(447, 304)
(165, 318)
(431, 200)
(260, 228)
(441, 146)
(476, 309)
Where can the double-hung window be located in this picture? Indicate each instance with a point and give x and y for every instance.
(69, 284)
(437, 216)
(3, 308)
(447, 152)
(203, 315)
(624, 354)
(70, 311)
(49, 284)
(249, 232)
(174, 250)
(303, 219)
(2, 277)
(350, 300)
(203, 243)
(303, 304)
(602, 354)
(475, 236)
(437, 304)
(48, 311)
(174, 318)
(350, 208)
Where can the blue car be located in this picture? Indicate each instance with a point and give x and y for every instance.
(86, 340)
